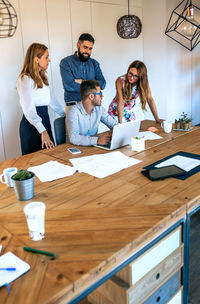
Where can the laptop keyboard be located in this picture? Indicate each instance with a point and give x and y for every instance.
(105, 146)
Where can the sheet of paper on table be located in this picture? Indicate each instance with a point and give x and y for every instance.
(102, 165)
(52, 170)
(148, 135)
(11, 260)
(183, 162)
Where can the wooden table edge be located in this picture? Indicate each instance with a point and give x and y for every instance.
(118, 258)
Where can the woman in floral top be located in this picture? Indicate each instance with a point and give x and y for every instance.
(132, 93)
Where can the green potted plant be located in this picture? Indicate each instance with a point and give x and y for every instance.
(185, 125)
(177, 124)
(183, 122)
(189, 121)
(23, 182)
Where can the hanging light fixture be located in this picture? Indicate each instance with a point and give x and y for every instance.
(184, 24)
(189, 26)
(8, 19)
(129, 26)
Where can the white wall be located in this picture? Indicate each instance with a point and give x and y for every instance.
(173, 71)
(2, 152)
(155, 51)
(195, 85)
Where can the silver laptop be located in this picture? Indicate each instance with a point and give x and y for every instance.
(122, 134)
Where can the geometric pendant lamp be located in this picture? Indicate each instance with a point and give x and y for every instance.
(184, 24)
(8, 19)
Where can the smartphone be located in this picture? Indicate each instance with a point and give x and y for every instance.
(164, 172)
(74, 150)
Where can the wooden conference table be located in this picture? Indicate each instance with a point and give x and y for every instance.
(92, 225)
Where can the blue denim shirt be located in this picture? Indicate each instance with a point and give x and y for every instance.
(81, 127)
(72, 68)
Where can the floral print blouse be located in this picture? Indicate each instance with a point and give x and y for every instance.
(132, 109)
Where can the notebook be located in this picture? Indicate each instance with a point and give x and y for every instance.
(121, 135)
(11, 260)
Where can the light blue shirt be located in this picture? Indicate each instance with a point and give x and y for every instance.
(82, 127)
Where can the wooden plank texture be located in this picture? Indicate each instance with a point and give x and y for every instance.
(93, 224)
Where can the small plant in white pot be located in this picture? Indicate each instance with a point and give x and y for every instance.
(23, 182)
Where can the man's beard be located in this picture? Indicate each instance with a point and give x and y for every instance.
(82, 57)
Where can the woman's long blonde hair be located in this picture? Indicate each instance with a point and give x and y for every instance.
(142, 84)
(30, 67)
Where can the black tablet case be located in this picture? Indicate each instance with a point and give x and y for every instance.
(181, 153)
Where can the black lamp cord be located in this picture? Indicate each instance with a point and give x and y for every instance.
(128, 8)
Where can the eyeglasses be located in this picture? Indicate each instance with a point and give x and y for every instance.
(100, 93)
(132, 75)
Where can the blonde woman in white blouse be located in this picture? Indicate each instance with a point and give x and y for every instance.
(35, 97)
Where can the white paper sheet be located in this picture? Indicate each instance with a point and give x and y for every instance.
(186, 163)
(52, 170)
(148, 135)
(11, 260)
(102, 165)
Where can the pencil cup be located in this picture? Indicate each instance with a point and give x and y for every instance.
(35, 215)
(137, 144)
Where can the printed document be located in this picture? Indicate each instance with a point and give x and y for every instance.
(183, 162)
(52, 170)
(102, 165)
(148, 135)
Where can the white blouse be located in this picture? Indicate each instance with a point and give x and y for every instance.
(31, 97)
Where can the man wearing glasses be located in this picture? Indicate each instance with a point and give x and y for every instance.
(78, 67)
(83, 118)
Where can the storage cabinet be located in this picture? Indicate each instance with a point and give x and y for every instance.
(133, 272)
(177, 298)
(97, 298)
(166, 291)
(154, 277)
